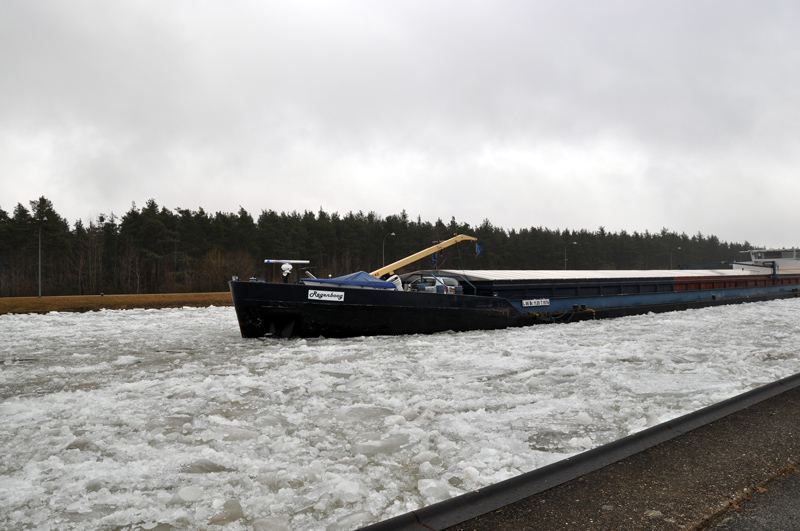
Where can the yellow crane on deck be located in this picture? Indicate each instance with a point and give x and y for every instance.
(389, 269)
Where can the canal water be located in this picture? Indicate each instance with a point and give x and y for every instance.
(168, 419)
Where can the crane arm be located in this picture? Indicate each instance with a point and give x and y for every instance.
(389, 269)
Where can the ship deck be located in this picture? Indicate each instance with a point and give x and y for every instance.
(594, 274)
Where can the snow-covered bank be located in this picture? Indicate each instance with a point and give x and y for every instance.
(146, 417)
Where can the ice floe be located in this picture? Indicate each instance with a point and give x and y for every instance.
(168, 419)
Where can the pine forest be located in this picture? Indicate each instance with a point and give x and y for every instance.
(155, 249)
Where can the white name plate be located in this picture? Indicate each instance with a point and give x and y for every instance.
(535, 302)
(336, 296)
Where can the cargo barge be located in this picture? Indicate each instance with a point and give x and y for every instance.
(431, 301)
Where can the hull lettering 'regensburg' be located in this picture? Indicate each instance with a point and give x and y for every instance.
(336, 296)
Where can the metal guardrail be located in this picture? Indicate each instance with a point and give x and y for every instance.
(493, 497)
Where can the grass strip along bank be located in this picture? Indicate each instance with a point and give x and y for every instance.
(89, 303)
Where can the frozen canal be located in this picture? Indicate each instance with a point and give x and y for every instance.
(168, 419)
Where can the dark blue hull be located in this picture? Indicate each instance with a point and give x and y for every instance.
(298, 310)
(285, 310)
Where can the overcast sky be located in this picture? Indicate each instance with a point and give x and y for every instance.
(632, 115)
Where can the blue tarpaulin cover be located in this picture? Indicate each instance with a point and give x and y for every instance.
(361, 279)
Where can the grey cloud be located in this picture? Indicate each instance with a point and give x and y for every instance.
(191, 103)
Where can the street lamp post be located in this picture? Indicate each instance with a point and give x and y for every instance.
(565, 253)
(40, 254)
(670, 255)
(384, 249)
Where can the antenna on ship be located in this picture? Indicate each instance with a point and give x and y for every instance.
(286, 266)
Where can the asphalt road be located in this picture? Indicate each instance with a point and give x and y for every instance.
(774, 507)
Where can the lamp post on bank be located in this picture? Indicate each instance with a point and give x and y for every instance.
(383, 255)
(565, 253)
(670, 255)
(40, 254)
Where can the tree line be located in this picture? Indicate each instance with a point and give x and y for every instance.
(159, 250)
